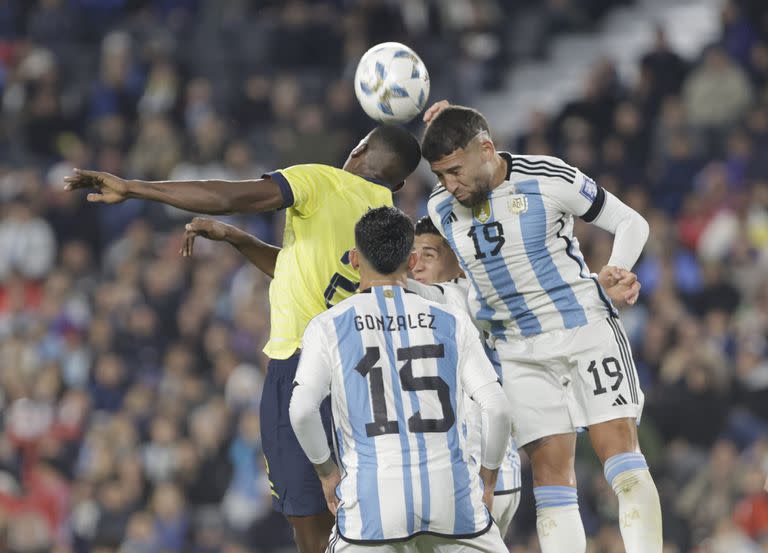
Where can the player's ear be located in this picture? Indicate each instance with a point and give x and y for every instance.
(488, 149)
(413, 258)
(354, 259)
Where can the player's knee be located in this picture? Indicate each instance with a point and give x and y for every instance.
(614, 437)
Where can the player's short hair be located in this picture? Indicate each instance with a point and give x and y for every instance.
(403, 149)
(451, 129)
(384, 237)
(426, 226)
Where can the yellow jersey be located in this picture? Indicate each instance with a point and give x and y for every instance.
(312, 272)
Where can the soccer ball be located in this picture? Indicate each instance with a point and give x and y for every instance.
(391, 83)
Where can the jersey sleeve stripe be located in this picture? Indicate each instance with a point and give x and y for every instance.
(596, 207)
(541, 164)
(285, 187)
(540, 173)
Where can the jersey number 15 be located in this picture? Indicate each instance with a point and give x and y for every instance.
(381, 424)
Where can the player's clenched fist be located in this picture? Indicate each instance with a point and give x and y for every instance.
(621, 285)
(201, 226)
(109, 188)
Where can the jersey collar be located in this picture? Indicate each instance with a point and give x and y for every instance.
(369, 290)
(508, 158)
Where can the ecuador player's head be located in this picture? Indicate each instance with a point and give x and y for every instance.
(457, 143)
(383, 247)
(387, 154)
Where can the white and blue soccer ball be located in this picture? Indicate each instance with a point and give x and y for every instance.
(392, 83)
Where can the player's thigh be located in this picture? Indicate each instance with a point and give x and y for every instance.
(487, 542)
(504, 509)
(296, 489)
(604, 380)
(537, 393)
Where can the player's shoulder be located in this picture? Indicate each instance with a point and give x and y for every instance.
(442, 300)
(545, 167)
(440, 205)
(320, 321)
(437, 195)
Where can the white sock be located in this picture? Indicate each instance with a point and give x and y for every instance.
(639, 506)
(558, 522)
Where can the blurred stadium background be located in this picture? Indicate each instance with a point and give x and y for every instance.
(130, 377)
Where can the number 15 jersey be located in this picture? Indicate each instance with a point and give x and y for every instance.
(518, 250)
(398, 367)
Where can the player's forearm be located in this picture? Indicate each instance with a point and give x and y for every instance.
(260, 254)
(326, 469)
(496, 424)
(304, 412)
(489, 477)
(629, 228)
(213, 197)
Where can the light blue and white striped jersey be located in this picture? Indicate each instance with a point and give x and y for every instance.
(509, 479)
(399, 367)
(518, 250)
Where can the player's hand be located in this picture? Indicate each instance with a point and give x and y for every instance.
(109, 188)
(434, 109)
(330, 482)
(201, 226)
(621, 285)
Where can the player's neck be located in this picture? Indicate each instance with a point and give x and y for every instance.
(383, 280)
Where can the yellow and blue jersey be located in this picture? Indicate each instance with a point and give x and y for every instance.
(313, 273)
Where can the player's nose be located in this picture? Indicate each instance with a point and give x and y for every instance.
(451, 185)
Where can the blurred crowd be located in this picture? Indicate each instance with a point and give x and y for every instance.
(130, 378)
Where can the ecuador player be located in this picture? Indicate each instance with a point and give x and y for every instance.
(312, 273)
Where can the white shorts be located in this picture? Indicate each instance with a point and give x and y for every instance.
(487, 542)
(504, 509)
(560, 381)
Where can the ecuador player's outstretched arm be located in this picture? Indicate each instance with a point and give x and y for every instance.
(214, 197)
(262, 255)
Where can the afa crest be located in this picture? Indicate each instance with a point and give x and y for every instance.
(482, 212)
(517, 204)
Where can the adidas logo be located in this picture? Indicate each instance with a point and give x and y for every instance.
(619, 401)
(450, 218)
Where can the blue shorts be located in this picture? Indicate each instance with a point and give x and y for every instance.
(296, 489)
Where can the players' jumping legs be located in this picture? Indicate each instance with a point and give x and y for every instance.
(558, 522)
(615, 443)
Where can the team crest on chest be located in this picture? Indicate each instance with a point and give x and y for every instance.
(482, 212)
(517, 203)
